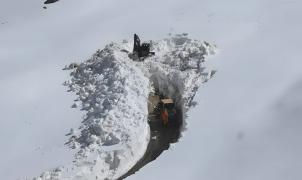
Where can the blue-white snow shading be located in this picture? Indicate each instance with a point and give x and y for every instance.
(113, 90)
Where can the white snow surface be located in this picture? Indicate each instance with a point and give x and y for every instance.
(113, 90)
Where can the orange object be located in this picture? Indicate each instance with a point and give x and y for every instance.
(165, 117)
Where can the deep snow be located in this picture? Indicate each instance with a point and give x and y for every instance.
(259, 66)
(113, 90)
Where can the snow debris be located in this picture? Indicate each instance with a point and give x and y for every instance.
(113, 90)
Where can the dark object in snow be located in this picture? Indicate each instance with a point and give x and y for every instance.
(44, 7)
(50, 1)
(137, 43)
(167, 111)
(141, 50)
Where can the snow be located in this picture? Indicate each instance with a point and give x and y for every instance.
(114, 132)
(259, 66)
(236, 132)
(113, 90)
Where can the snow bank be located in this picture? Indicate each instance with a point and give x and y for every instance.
(178, 68)
(113, 91)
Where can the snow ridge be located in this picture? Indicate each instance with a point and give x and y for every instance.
(113, 91)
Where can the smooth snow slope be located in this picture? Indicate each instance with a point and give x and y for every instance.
(113, 90)
(248, 123)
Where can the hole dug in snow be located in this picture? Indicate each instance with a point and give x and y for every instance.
(161, 135)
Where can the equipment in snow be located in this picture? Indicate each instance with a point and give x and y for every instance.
(167, 111)
(141, 50)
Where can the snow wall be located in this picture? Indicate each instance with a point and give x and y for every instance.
(113, 90)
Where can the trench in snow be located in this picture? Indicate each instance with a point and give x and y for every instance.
(161, 136)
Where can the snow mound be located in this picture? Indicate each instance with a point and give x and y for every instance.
(113, 90)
